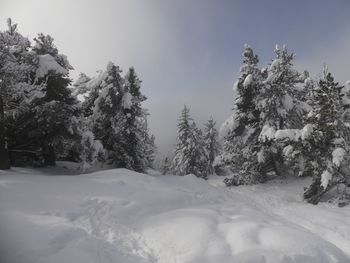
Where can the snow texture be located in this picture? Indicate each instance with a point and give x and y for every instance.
(48, 64)
(123, 216)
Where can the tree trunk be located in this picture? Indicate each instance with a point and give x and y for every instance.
(4, 153)
(49, 156)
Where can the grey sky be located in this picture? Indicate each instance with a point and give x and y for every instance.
(187, 52)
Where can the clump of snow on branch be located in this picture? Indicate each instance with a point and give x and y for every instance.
(326, 176)
(127, 100)
(228, 125)
(47, 64)
(267, 133)
(248, 80)
(338, 156)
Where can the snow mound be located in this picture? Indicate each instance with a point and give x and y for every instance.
(123, 216)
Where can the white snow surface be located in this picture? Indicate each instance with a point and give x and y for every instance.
(53, 216)
(47, 63)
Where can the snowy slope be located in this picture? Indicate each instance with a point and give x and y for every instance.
(122, 216)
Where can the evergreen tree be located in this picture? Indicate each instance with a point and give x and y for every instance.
(280, 109)
(81, 85)
(17, 90)
(211, 143)
(329, 142)
(91, 150)
(190, 154)
(136, 130)
(277, 99)
(56, 112)
(239, 145)
(108, 121)
(91, 91)
(180, 164)
(118, 119)
(4, 154)
(199, 155)
(151, 150)
(165, 168)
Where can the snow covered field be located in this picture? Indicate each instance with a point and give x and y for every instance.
(52, 216)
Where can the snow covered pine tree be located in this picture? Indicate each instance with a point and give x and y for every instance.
(239, 153)
(329, 142)
(118, 120)
(211, 143)
(37, 106)
(190, 153)
(280, 109)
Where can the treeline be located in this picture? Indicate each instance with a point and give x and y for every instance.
(42, 120)
(284, 123)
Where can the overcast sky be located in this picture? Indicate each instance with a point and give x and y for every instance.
(187, 52)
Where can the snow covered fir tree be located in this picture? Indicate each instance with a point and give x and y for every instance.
(44, 119)
(191, 156)
(284, 123)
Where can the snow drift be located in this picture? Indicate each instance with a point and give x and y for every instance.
(123, 216)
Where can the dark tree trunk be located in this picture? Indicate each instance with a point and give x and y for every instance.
(4, 154)
(49, 156)
(315, 191)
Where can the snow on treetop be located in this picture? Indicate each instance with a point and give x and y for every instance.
(47, 64)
